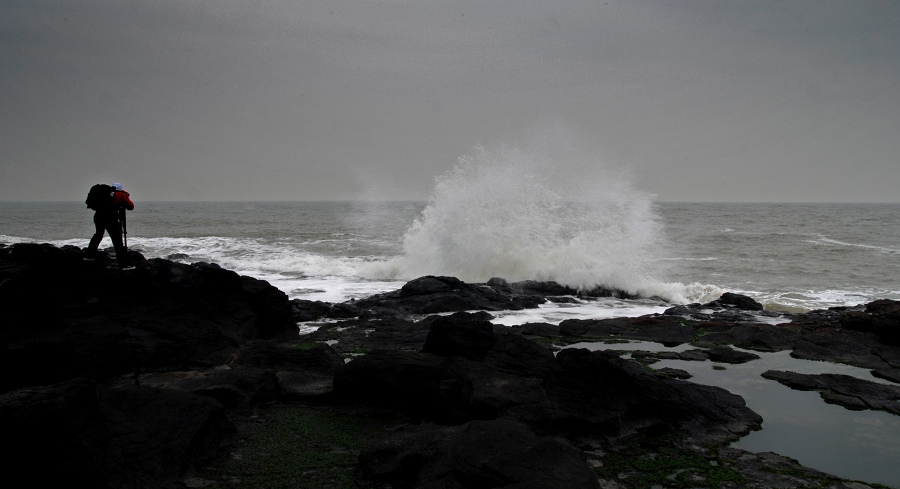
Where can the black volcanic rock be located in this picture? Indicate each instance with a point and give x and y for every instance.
(845, 346)
(668, 330)
(539, 329)
(461, 334)
(600, 391)
(82, 434)
(850, 392)
(738, 301)
(724, 354)
(551, 289)
(554, 291)
(594, 328)
(287, 356)
(513, 354)
(880, 317)
(360, 335)
(419, 385)
(431, 295)
(729, 308)
(888, 374)
(238, 386)
(760, 337)
(101, 322)
(672, 373)
(304, 311)
(499, 453)
(478, 374)
(661, 329)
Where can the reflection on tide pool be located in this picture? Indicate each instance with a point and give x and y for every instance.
(858, 445)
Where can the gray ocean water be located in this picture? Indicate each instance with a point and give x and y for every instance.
(790, 257)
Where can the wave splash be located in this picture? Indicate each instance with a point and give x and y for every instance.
(520, 215)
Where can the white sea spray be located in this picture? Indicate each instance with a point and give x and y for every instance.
(520, 214)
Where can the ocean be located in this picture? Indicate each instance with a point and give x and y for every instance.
(789, 257)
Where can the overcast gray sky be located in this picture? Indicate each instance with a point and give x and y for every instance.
(286, 100)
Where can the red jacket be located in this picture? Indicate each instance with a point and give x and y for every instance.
(121, 198)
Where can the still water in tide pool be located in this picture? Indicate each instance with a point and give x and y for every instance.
(856, 445)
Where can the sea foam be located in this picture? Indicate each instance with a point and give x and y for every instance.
(525, 215)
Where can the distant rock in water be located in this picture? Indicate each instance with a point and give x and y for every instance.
(550, 289)
(433, 295)
(738, 301)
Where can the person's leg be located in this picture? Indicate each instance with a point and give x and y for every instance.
(99, 226)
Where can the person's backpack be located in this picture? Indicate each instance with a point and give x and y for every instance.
(100, 197)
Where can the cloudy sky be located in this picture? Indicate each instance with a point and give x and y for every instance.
(283, 100)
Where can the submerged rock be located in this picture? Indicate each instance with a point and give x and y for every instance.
(724, 354)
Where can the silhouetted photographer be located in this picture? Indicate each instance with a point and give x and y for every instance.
(110, 202)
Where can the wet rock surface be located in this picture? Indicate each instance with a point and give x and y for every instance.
(496, 453)
(429, 295)
(82, 433)
(844, 390)
(717, 354)
(140, 376)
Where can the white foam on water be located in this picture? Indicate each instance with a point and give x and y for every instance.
(693, 292)
(298, 273)
(828, 241)
(332, 289)
(807, 300)
(600, 309)
(14, 239)
(708, 258)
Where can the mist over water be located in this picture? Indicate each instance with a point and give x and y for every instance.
(521, 214)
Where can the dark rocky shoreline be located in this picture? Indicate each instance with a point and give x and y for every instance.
(151, 377)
